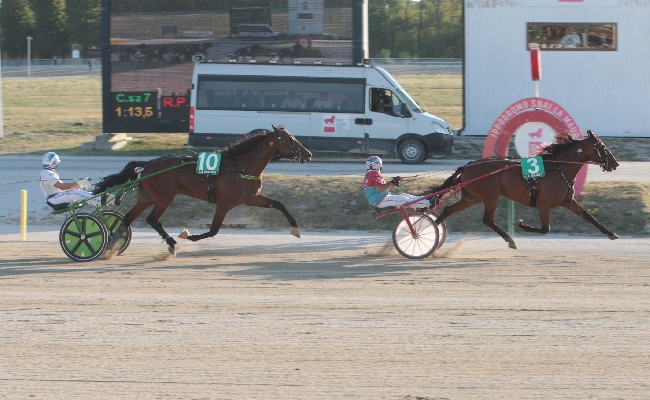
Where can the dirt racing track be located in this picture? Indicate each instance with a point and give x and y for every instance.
(263, 315)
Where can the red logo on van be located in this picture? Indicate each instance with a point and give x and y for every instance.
(329, 124)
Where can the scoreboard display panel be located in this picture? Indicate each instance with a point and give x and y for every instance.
(148, 48)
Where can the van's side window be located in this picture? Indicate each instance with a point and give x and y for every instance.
(287, 94)
(385, 101)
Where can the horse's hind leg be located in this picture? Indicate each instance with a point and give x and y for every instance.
(264, 202)
(488, 219)
(154, 220)
(573, 206)
(144, 201)
(466, 201)
(544, 217)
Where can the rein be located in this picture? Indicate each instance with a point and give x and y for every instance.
(568, 184)
(518, 160)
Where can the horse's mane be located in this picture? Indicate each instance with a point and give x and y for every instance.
(121, 177)
(562, 144)
(246, 143)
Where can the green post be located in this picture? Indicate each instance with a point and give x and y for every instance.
(511, 218)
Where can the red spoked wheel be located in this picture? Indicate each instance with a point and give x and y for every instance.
(416, 236)
(442, 228)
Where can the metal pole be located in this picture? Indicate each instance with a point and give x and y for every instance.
(29, 56)
(23, 215)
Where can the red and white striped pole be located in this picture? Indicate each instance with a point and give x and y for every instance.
(536, 68)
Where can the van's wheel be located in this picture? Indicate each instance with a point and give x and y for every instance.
(412, 151)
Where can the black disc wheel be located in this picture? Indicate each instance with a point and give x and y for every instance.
(86, 241)
(421, 241)
(113, 221)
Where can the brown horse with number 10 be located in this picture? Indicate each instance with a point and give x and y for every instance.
(238, 182)
(562, 162)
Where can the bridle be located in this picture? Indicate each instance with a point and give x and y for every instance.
(603, 152)
(294, 146)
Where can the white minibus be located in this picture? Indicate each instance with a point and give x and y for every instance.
(328, 108)
(257, 31)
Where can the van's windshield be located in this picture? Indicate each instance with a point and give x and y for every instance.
(401, 92)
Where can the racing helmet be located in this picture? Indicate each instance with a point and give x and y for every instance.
(50, 160)
(373, 163)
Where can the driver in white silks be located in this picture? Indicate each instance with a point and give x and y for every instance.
(57, 192)
(378, 191)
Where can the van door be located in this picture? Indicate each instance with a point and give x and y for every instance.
(384, 120)
(337, 118)
(335, 131)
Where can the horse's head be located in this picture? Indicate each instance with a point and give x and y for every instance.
(290, 147)
(601, 153)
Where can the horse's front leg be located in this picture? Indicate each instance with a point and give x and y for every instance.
(260, 200)
(544, 217)
(488, 219)
(573, 206)
(217, 220)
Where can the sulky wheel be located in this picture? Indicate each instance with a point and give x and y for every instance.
(442, 229)
(422, 243)
(85, 243)
(113, 220)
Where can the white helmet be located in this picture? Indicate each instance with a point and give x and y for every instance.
(50, 160)
(373, 163)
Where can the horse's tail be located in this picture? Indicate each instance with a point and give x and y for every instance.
(128, 173)
(449, 182)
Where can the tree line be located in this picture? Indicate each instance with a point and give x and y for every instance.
(415, 29)
(397, 28)
(53, 24)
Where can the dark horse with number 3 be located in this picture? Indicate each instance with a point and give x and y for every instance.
(562, 162)
(238, 182)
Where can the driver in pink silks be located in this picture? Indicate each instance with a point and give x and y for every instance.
(378, 191)
(57, 192)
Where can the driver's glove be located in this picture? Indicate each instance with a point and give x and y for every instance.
(84, 183)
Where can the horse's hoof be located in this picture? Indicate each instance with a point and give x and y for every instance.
(613, 236)
(518, 222)
(295, 232)
(512, 245)
(172, 251)
(184, 234)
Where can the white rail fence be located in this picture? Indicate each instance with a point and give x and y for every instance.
(40, 68)
(90, 67)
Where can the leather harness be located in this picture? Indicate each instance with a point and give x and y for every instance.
(533, 191)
